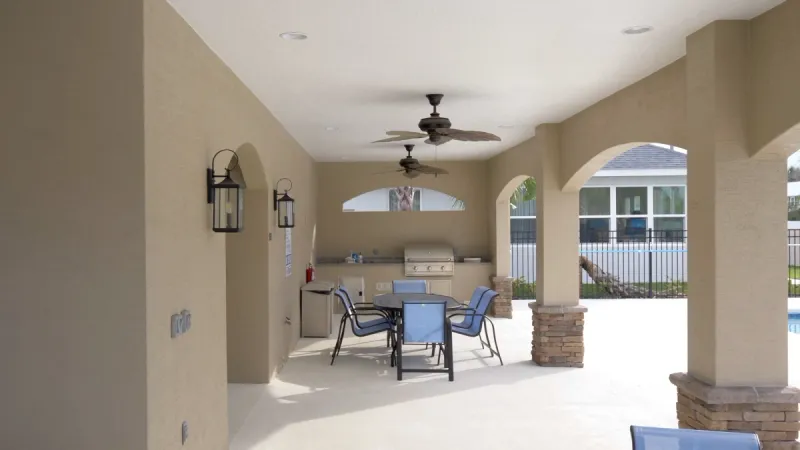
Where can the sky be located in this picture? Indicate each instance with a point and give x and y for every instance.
(793, 160)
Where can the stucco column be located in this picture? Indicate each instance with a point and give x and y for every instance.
(501, 281)
(737, 320)
(557, 316)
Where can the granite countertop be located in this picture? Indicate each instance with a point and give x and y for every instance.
(379, 261)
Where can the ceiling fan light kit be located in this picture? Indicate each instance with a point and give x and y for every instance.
(437, 129)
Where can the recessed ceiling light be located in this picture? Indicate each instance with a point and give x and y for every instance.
(293, 36)
(331, 128)
(639, 29)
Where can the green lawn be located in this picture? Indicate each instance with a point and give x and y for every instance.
(794, 272)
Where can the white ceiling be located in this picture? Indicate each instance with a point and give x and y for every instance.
(368, 63)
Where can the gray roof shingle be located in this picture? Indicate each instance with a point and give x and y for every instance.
(647, 157)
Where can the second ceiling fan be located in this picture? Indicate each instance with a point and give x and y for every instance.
(437, 129)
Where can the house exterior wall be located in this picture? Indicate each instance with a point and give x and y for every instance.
(72, 318)
(195, 106)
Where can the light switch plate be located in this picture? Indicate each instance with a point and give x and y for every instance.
(383, 287)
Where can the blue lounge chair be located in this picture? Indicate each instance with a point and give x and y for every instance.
(425, 322)
(475, 320)
(359, 326)
(649, 438)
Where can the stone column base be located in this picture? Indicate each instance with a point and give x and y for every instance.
(557, 335)
(770, 412)
(501, 307)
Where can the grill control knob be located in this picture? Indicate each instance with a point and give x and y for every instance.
(429, 267)
(442, 268)
(415, 268)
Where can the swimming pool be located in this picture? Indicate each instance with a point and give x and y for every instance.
(794, 321)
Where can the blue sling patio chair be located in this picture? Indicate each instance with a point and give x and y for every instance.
(425, 322)
(409, 287)
(475, 320)
(360, 327)
(650, 438)
(366, 307)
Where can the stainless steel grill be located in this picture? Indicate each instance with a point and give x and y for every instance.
(429, 261)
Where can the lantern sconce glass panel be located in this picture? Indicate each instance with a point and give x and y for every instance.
(284, 205)
(227, 197)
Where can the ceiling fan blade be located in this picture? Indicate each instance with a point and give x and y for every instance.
(401, 136)
(468, 136)
(406, 133)
(430, 170)
(397, 138)
(442, 140)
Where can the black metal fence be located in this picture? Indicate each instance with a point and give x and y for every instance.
(793, 260)
(613, 264)
(643, 264)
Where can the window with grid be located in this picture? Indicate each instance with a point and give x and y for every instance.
(594, 211)
(632, 212)
(669, 213)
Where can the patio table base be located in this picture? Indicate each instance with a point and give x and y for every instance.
(557, 335)
(770, 412)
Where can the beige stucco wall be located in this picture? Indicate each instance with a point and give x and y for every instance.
(774, 62)
(466, 277)
(341, 232)
(195, 106)
(72, 235)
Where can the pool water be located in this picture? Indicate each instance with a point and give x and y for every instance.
(794, 321)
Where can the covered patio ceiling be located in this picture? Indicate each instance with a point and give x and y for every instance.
(504, 66)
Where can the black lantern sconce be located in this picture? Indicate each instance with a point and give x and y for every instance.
(227, 196)
(284, 205)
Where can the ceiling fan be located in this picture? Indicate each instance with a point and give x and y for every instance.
(437, 129)
(411, 168)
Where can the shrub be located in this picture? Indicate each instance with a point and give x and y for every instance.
(521, 288)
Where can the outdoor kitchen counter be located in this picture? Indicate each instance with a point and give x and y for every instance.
(466, 277)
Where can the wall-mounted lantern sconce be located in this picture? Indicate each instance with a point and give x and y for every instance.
(227, 197)
(284, 205)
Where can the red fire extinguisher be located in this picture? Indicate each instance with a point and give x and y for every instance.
(310, 273)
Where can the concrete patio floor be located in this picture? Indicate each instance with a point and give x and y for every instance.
(358, 404)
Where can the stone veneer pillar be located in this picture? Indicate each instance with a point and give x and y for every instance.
(501, 307)
(557, 315)
(557, 335)
(772, 413)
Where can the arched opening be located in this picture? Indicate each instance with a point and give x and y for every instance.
(249, 335)
(515, 235)
(403, 198)
(633, 222)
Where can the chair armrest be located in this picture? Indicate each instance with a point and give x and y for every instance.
(472, 314)
(370, 311)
